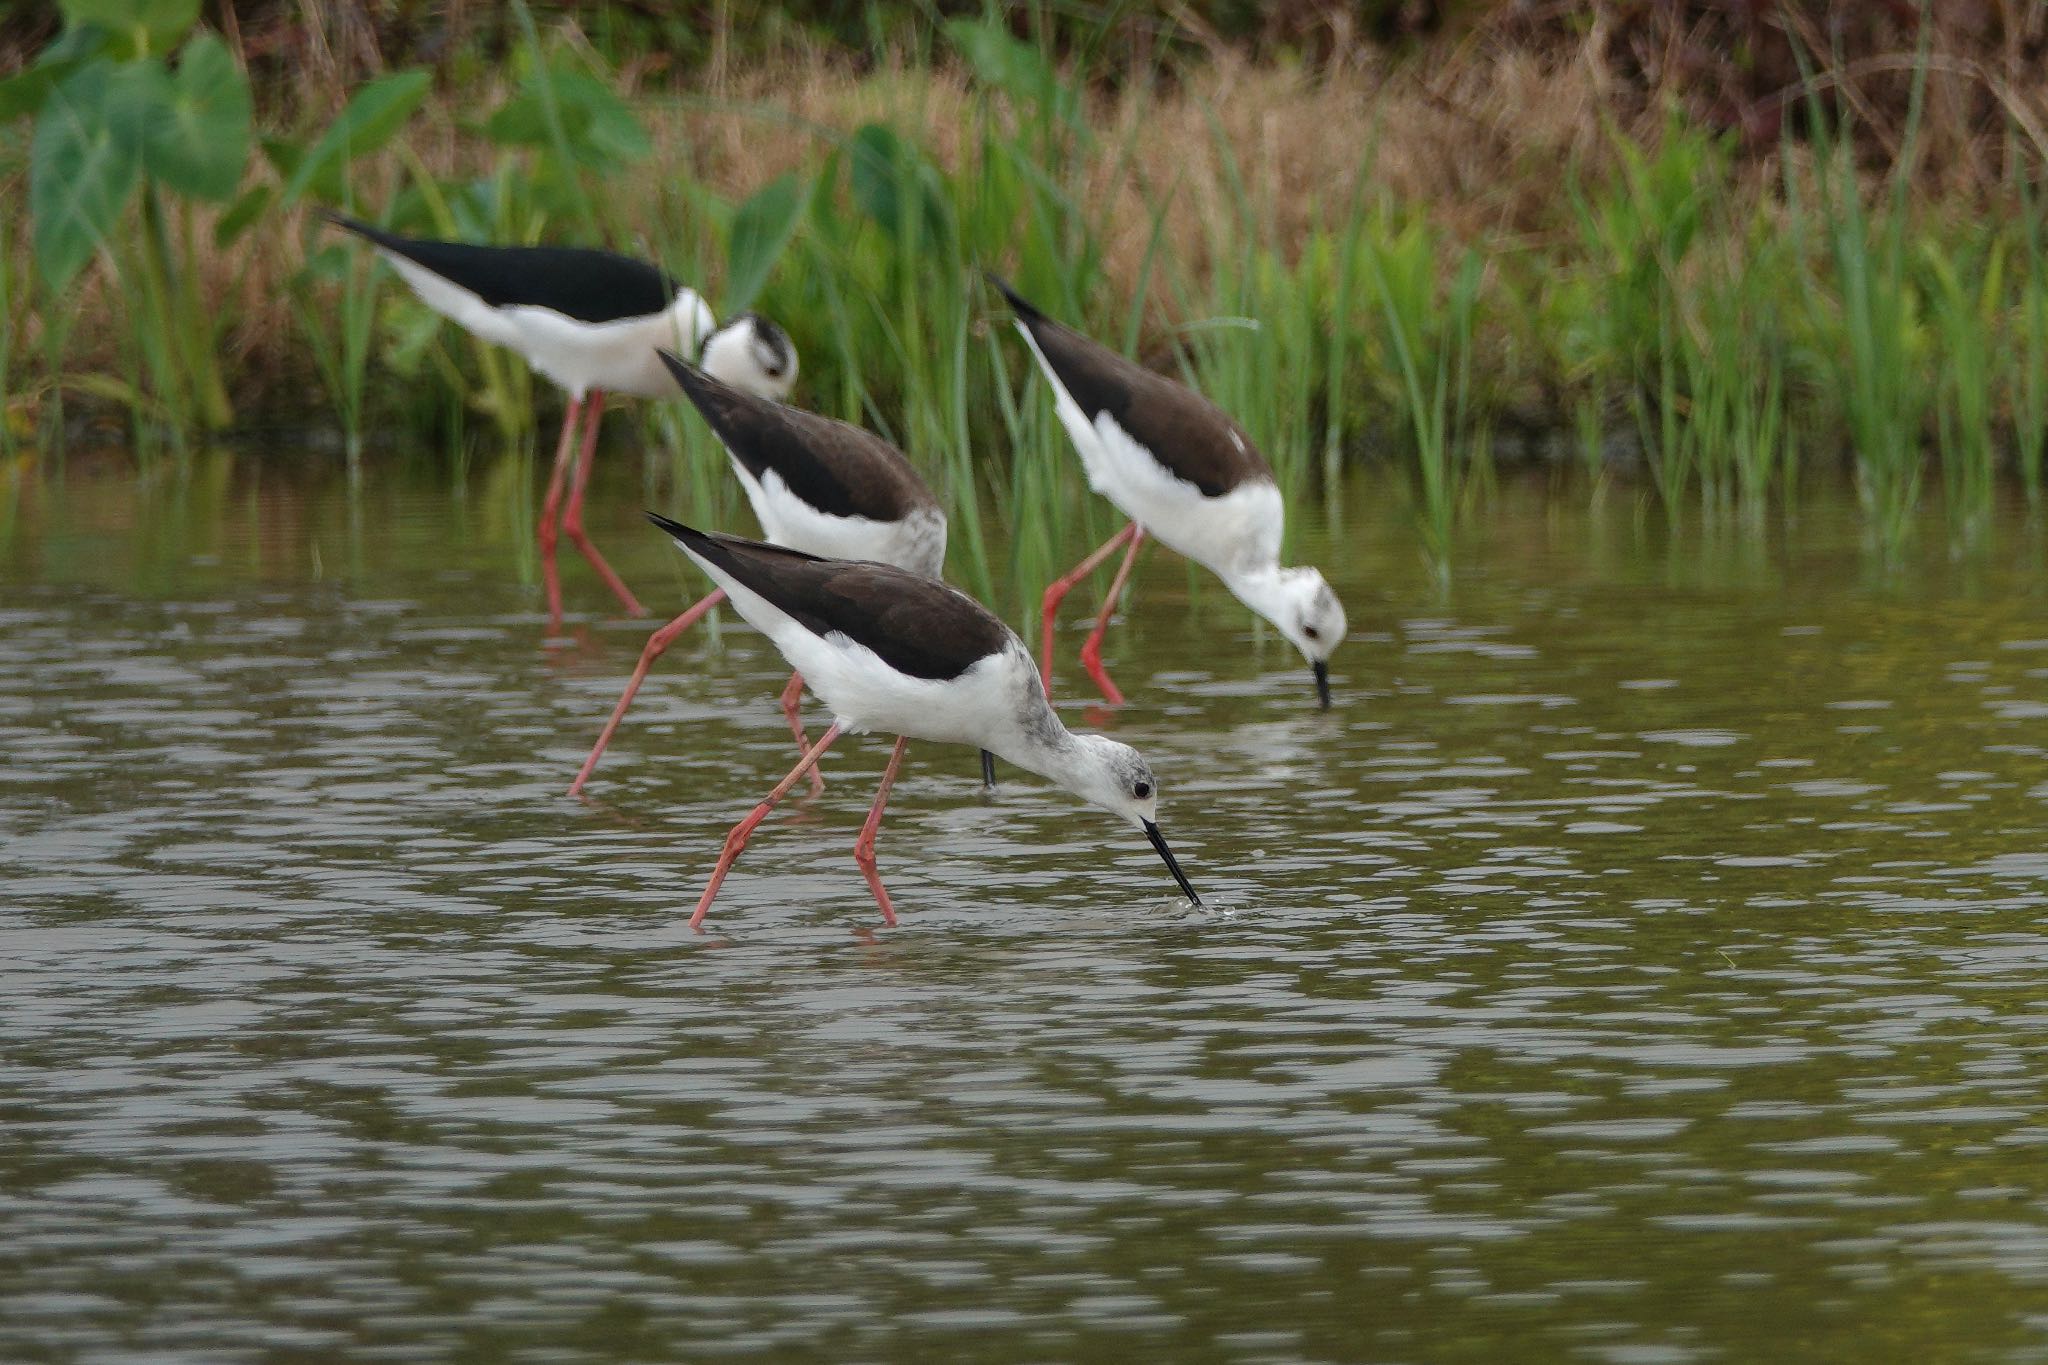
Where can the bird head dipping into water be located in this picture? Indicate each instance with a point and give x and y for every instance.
(753, 354)
(1115, 777)
(1299, 601)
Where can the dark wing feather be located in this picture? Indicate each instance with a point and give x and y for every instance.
(834, 466)
(1189, 435)
(917, 625)
(577, 282)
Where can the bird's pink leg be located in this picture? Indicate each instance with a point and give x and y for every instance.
(1091, 649)
(792, 696)
(1058, 589)
(737, 839)
(657, 643)
(549, 578)
(864, 847)
(572, 520)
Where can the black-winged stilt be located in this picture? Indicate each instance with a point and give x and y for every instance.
(1185, 474)
(908, 655)
(589, 321)
(818, 485)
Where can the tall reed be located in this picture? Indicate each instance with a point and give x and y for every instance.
(14, 405)
(2027, 385)
(1965, 291)
(1869, 313)
(1638, 229)
(1431, 345)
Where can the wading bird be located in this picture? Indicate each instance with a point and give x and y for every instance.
(818, 485)
(1186, 475)
(589, 321)
(905, 654)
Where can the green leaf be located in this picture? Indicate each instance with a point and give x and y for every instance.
(521, 121)
(326, 265)
(1016, 68)
(598, 128)
(81, 172)
(241, 214)
(376, 113)
(760, 230)
(150, 26)
(200, 144)
(883, 170)
(874, 170)
(612, 135)
(138, 99)
(24, 92)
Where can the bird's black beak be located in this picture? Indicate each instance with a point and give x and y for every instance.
(1323, 682)
(1159, 842)
(988, 770)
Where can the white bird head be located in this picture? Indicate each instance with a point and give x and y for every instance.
(1115, 777)
(1300, 603)
(752, 354)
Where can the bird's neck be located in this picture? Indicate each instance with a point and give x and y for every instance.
(1036, 742)
(1262, 589)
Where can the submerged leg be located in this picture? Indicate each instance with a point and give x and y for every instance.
(1091, 649)
(572, 520)
(656, 644)
(550, 579)
(737, 839)
(792, 696)
(1058, 589)
(864, 847)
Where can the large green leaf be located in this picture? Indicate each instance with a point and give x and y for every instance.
(614, 135)
(82, 169)
(874, 162)
(138, 99)
(377, 112)
(1016, 68)
(760, 230)
(25, 91)
(892, 182)
(200, 144)
(598, 128)
(138, 26)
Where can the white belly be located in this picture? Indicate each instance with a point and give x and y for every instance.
(1227, 535)
(916, 543)
(865, 694)
(617, 357)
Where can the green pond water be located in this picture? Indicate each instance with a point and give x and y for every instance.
(1644, 962)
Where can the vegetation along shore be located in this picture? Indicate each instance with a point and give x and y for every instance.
(1700, 250)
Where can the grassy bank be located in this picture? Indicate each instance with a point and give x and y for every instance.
(1441, 264)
